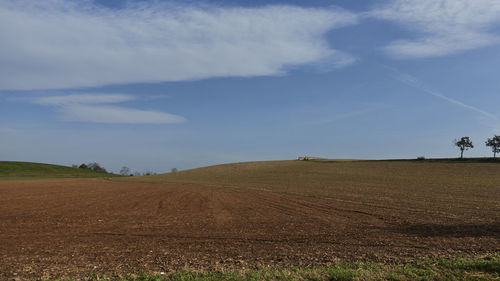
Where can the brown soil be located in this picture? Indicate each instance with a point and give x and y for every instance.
(68, 228)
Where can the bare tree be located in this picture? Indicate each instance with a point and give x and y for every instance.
(124, 171)
(494, 142)
(463, 144)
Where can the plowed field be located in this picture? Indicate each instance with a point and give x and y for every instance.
(71, 227)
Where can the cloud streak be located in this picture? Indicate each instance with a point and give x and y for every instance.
(83, 99)
(444, 27)
(89, 108)
(56, 44)
(340, 117)
(415, 83)
(114, 114)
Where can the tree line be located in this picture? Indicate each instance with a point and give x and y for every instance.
(94, 166)
(124, 171)
(465, 143)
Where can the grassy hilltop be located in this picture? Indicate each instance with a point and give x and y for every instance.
(29, 170)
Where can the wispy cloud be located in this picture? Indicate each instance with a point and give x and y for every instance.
(444, 27)
(340, 117)
(83, 99)
(89, 108)
(113, 114)
(64, 44)
(415, 83)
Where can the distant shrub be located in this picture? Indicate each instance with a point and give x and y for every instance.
(421, 158)
(174, 170)
(96, 167)
(124, 171)
(83, 166)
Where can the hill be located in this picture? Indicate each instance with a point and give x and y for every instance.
(403, 183)
(257, 215)
(27, 170)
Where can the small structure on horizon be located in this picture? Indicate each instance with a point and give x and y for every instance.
(308, 158)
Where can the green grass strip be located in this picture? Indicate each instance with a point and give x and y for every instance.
(444, 269)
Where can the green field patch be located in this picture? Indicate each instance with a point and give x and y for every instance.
(486, 268)
(11, 170)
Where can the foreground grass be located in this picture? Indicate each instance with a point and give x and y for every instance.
(444, 269)
(11, 170)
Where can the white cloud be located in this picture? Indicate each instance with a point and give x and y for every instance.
(113, 114)
(83, 99)
(87, 108)
(445, 26)
(340, 117)
(64, 44)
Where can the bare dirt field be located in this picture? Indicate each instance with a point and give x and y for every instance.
(71, 227)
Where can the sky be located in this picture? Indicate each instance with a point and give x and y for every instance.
(156, 85)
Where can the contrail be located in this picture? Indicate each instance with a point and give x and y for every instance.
(416, 84)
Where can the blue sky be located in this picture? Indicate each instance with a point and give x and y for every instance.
(154, 85)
